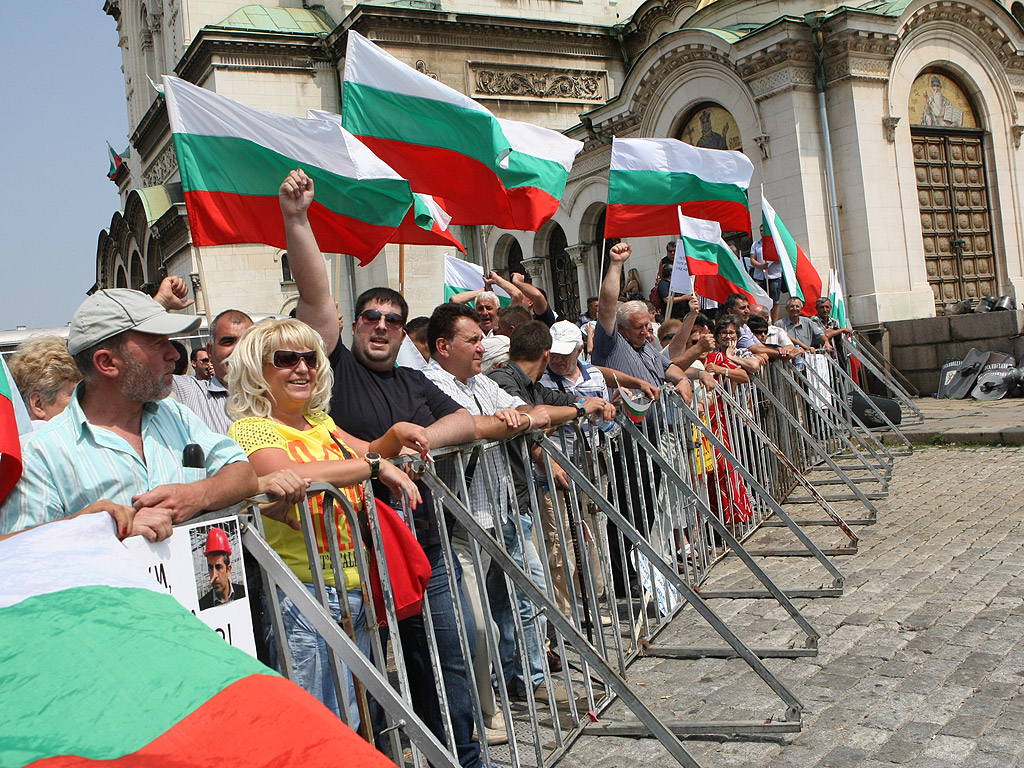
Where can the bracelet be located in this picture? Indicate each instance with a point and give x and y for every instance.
(528, 416)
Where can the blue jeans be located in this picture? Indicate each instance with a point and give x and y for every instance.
(453, 667)
(310, 667)
(501, 610)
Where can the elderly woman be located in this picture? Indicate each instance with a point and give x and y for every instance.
(279, 385)
(46, 376)
(727, 336)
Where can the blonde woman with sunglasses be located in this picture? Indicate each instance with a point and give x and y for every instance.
(279, 385)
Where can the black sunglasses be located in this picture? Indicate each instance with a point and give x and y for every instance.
(289, 358)
(392, 319)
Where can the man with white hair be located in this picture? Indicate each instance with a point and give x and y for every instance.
(623, 337)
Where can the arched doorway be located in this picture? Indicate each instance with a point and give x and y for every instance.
(952, 190)
(565, 287)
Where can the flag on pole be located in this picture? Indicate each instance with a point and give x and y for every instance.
(116, 160)
(835, 296)
(483, 169)
(410, 232)
(716, 270)
(461, 276)
(76, 693)
(649, 179)
(10, 443)
(802, 279)
(233, 158)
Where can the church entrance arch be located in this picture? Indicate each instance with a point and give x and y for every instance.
(565, 290)
(952, 190)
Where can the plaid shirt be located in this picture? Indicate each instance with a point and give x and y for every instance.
(481, 397)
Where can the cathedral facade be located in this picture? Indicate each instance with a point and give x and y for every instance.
(887, 136)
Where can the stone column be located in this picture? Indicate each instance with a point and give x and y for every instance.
(578, 253)
(537, 268)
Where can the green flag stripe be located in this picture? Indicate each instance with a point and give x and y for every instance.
(702, 250)
(5, 385)
(239, 166)
(111, 693)
(368, 111)
(661, 188)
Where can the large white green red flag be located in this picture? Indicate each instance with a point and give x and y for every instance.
(233, 158)
(649, 178)
(802, 279)
(102, 666)
(716, 270)
(482, 169)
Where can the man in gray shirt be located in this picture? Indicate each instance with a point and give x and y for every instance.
(801, 330)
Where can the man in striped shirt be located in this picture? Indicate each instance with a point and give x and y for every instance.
(120, 438)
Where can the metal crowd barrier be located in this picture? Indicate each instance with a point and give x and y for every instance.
(622, 548)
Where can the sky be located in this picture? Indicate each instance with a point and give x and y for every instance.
(62, 93)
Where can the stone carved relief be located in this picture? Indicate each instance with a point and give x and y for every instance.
(889, 124)
(959, 14)
(578, 253)
(540, 84)
(161, 169)
(421, 66)
(1017, 131)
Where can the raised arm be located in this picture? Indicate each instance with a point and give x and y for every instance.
(608, 300)
(515, 295)
(464, 297)
(536, 297)
(316, 305)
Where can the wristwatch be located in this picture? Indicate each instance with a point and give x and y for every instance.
(581, 408)
(373, 459)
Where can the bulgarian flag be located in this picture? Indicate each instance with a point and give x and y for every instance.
(461, 276)
(483, 169)
(716, 270)
(99, 669)
(634, 402)
(802, 279)
(233, 158)
(10, 443)
(650, 178)
(116, 160)
(410, 232)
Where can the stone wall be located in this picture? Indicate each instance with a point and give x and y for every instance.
(919, 347)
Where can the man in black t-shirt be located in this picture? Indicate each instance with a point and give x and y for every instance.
(370, 395)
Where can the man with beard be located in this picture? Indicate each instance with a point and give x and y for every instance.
(120, 438)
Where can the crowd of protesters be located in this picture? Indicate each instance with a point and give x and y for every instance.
(276, 405)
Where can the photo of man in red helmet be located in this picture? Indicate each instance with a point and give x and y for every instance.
(218, 561)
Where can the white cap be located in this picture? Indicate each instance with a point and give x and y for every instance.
(566, 338)
(115, 310)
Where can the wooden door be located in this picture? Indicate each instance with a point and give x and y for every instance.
(955, 218)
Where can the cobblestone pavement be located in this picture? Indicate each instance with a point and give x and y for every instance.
(920, 662)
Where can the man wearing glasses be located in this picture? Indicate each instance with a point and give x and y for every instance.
(371, 394)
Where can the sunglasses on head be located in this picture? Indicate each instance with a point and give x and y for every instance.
(392, 319)
(289, 358)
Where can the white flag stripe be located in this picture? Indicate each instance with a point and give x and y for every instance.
(700, 229)
(720, 166)
(370, 65)
(80, 552)
(437, 213)
(465, 274)
(786, 259)
(320, 143)
(533, 140)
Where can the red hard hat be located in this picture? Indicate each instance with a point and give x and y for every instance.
(216, 542)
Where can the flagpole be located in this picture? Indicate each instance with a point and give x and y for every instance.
(206, 292)
(668, 305)
(401, 268)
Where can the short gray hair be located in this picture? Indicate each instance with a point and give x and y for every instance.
(488, 296)
(627, 309)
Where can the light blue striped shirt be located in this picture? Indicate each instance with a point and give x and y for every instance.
(68, 464)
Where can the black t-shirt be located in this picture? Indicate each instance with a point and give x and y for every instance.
(366, 404)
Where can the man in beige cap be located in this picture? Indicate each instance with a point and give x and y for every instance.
(120, 438)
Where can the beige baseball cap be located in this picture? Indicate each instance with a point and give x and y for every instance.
(112, 311)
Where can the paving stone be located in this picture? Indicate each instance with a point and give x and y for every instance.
(920, 662)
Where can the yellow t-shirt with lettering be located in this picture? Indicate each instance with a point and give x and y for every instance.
(302, 447)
